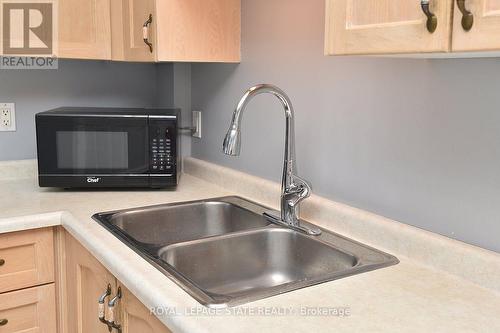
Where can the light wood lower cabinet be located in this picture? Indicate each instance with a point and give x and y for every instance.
(61, 295)
(86, 281)
(136, 317)
(30, 310)
(26, 259)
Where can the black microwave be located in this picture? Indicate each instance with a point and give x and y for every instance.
(108, 147)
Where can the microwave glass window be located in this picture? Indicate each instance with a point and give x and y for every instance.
(92, 150)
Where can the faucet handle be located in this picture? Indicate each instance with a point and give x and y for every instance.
(300, 187)
(298, 191)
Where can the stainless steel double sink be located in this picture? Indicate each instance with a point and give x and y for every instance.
(224, 252)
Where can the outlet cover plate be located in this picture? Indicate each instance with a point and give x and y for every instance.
(7, 117)
(196, 116)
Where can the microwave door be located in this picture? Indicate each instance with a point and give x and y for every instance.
(93, 146)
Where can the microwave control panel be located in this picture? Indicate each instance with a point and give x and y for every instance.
(163, 149)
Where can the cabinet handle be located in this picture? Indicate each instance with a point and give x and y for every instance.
(2, 262)
(145, 32)
(467, 17)
(101, 314)
(432, 20)
(111, 307)
(4, 322)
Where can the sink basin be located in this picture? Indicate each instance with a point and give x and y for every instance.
(158, 226)
(237, 265)
(224, 252)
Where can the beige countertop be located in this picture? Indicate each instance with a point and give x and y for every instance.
(412, 296)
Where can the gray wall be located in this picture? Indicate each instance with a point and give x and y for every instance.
(89, 83)
(414, 140)
(174, 89)
(75, 83)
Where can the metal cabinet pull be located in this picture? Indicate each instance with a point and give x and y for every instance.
(101, 302)
(432, 20)
(4, 322)
(145, 32)
(111, 307)
(2, 262)
(467, 17)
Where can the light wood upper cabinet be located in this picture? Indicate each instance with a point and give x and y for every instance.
(86, 281)
(128, 20)
(135, 317)
(385, 27)
(84, 29)
(400, 26)
(484, 35)
(198, 30)
(180, 30)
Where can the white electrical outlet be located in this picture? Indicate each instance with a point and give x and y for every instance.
(7, 117)
(196, 116)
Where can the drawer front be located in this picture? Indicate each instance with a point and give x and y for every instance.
(30, 310)
(26, 259)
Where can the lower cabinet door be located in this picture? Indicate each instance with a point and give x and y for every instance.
(86, 281)
(26, 259)
(137, 318)
(30, 310)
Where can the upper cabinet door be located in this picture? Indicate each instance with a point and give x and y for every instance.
(482, 33)
(386, 26)
(134, 25)
(199, 30)
(84, 29)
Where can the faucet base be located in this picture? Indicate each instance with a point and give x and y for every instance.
(275, 218)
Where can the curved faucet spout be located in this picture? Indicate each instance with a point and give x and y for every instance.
(232, 141)
(293, 188)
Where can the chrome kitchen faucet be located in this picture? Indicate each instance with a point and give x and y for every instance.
(293, 188)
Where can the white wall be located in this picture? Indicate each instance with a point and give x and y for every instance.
(414, 140)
